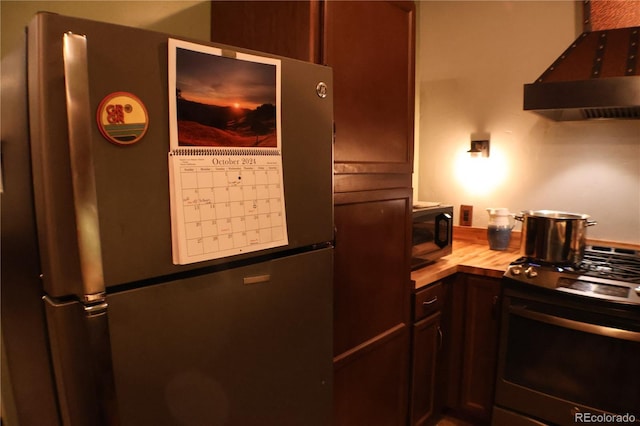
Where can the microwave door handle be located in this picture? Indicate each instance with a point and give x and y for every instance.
(600, 330)
(438, 238)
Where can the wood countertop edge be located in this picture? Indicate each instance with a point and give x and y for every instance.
(473, 256)
(424, 277)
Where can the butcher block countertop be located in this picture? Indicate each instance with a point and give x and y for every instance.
(469, 257)
(471, 254)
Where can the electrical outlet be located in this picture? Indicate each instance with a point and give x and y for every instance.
(466, 215)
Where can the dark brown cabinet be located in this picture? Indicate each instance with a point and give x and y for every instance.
(370, 297)
(370, 47)
(427, 343)
(474, 324)
(285, 28)
(370, 382)
(371, 308)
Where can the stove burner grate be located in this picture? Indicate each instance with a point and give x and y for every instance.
(603, 262)
(611, 263)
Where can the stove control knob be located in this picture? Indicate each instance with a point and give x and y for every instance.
(637, 290)
(531, 272)
(516, 270)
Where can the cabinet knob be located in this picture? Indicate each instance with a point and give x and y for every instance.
(494, 307)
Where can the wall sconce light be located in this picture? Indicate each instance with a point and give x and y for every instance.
(479, 149)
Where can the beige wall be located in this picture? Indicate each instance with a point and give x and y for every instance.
(473, 59)
(184, 18)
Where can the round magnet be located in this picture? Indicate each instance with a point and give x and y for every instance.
(122, 118)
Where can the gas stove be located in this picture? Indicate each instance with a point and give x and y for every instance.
(554, 315)
(606, 273)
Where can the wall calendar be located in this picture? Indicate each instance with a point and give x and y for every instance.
(225, 161)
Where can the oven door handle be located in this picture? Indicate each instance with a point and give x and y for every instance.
(601, 330)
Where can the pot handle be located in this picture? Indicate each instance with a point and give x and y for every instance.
(519, 217)
(591, 222)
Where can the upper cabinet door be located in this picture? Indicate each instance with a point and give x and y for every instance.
(285, 28)
(370, 46)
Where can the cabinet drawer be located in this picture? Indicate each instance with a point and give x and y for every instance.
(428, 300)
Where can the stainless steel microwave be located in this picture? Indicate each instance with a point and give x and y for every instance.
(432, 234)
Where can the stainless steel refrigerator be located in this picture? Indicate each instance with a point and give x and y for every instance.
(99, 326)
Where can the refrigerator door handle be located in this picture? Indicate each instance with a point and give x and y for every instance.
(85, 200)
(76, 78)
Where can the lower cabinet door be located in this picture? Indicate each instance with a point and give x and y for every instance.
(371, 383)
(480, 351)
(427, 342)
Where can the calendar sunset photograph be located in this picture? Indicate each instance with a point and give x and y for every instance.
(225, 102)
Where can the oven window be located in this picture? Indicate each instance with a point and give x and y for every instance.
(593, 370)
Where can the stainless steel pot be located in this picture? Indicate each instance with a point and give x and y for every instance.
(555, 237)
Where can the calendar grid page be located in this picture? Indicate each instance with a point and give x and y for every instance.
(226, 205)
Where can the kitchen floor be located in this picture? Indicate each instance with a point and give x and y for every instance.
(451, 421)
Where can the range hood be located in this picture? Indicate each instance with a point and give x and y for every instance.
(597, 77)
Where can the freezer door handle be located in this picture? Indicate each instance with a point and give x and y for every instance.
(82, 361)
(257, 279)
(79, 118)
(97, 324)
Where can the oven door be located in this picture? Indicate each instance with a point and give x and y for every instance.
(563, 363)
